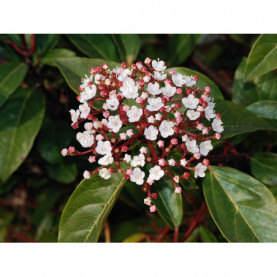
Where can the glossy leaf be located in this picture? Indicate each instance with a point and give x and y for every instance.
(237, 120)
(73, 69)
(57, 53)
(88, 208)
(181, 46)
(262, 57)
(21, 119)
(206, 235)
(264, 167)
(202, 82)
(241, 206)
(95, 46)
(128, 46)
(11, 76)
(261, 88)
(169, 204)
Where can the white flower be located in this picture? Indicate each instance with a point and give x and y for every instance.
(74, 115)
(190, 102)
(129, 89)
(104, 173)
(178, 79)
(154, 88)
(158, 65)
(209, 113)
(138, 160)
(158, 76)
(158, 116)
(86, 174)
(107, 159)
(103, 147)
(123, 74)
(151, 119)
(112, 103)
(183, 162)
(171, 162)
(137, 176)
(127, 158)
(156, 173)
(86, 81)
(85, 110)
(151, 133)
(205, 147)
(87, 94)
(166, 128)
(147, 201)
(217, 125)
(134, 114)
(88, 126)
(98, 78)
(168, 90)
(114, 123)
(192, 146)
(154, 104)
(189, 81)
(192, 115)
(200, 170)
(86, 139)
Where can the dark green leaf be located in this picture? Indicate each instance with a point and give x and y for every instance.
(21, 118)
(202, 82)
(241, 206)
(264, 167)
(95, 46)
(88, 208)
(206, 235)
(57, 53)
(180, 47)
(11, 76)
(262, 57)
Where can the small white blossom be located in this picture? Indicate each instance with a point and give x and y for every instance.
(205, 147)
(166, 128)
(74, 115)
(217, 125)
(209, 113)
(103, 147)
(176, 179)
(168, 90)
(114, 123)
(104, 173)
(200, 170)
(112, 103)
(87, 94)
(154, 89)
(189, 81)
(158, 116)
(192, 146)
(138, 160)
(158, 65)
(190, 102)
(86, 81)
(137, 176)
(85, 110)
(134, 114)
(183, 162)
(151, 119)
(86, 174)
(192, 115)
(129, 89)
(127, 158)
(156, 173)
(123, 74)
(154, 104)
(88, 126)
(86, 139)
(158, 76)
(178, 79)
(107, 159)
(147, 201)
(151, 133)
(171, 162)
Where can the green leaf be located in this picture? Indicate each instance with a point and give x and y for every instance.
(206, 235)
(73, 69)
(11, 76)
(202, 82)
(241, 206)
(181, 46)
(88, 207)
(21, 118)
(135, 238)
(237, 120)
(95, 46)
(261, 88)
(264, 167)
(262, 57)
(169, 204)
(128, 46)
(57, 53)
(267, 110)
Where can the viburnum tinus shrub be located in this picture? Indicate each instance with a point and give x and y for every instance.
(121, 107)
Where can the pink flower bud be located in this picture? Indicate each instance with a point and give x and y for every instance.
(104, 121)
(139, 100)
(206, 162)
(144, 95)
(130, 133)
(153, 209)
(91, 159)
(104, 106)
(139, 65)
(217, 136)
(99, 137)
(179, 119)
(105, 66)
(71, 149)
(149, 181)
(122, 136)
(174, 141)
(195, 78)
(207, 89)
(197, 156)
(161, 162)
(124, 148)
(125, 108)
(147, 61)
(143, 150)
(179, 91)
(172, 71)
(129, 171)
(160, 143)
(218, 116)
(205, 131)
(178, 189)
(106, 114)
(166, 81)
(64, 152)
(93, 70)
(200, 126)
(171, 162)
(111, 169)
(204, 97)
(186, 175)
(86, 174)
(124, 65)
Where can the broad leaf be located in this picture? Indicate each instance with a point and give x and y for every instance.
(264, 167)
(206, 235)
(236, 119)
(262, 57)
(88, 207)
(73, 69)
(57, 53)
(21, 118)
(261, 88)
(169, 204)
(128, 46)
(95, 46)
(202, 82)
(181, 46)
(241, 206)
(11, 76)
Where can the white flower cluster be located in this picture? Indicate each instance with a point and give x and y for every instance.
(146, 105)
